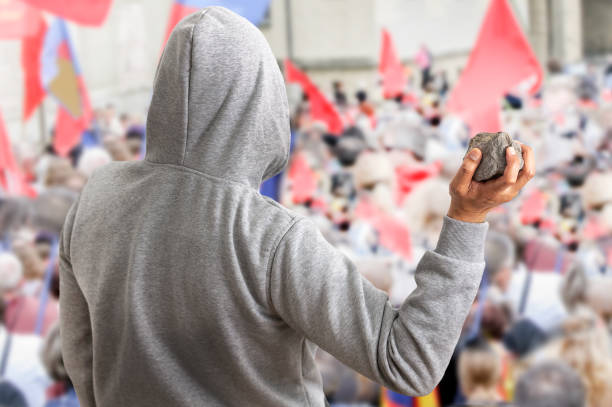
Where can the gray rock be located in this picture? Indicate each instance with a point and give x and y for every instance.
(493, 147)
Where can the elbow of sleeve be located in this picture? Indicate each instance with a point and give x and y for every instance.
(426, 384)
(415, 381)
(412, 375)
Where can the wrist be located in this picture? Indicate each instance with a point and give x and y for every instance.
(466, 216)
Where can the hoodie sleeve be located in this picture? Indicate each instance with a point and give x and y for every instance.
(75, 326)
(318, 292)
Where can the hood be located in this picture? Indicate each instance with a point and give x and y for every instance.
(219, 103)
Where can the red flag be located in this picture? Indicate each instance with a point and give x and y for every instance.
(320, 108)
(31, 48)
(534, 207)
(68, 129)
(500, 60)
(303, 181)
(392, 233)
(16, 20)
(87, 12)
(11, 177)
(390, 67)
(61, 77)
(409, 176)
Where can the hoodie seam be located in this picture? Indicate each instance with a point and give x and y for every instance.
(194, 171)
(202, 14)
(294, 220)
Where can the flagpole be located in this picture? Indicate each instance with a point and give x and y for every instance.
(289, 29)
(42, 125)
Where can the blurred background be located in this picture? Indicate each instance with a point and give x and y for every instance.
(385, 96)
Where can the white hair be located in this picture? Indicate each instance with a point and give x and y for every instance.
(93, 158)
(11, 272)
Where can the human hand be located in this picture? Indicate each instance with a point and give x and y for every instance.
(472, 200)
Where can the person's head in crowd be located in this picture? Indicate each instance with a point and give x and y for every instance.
(135, 140)
(33, 265)
(43, 243)
(51, 356)
(342, 185)
(585, 347)
(14, 213)
(577, 170)
(339, 95)
(479, 371)
(550, 384)
(93, 158)
(496, 318)
(596, 190)
(11, 273)
(10, 396)
(117, 148)
(361, 96)
(500, 253)
(59, 172)
(349, 146)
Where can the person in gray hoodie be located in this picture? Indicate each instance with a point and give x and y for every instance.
(181, 285)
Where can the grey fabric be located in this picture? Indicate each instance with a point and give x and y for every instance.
(182, 286)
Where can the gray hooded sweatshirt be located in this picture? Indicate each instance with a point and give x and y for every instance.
(181, 285)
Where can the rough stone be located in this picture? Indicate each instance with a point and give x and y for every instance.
(493, 147)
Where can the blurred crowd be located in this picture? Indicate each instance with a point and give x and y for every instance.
(538, 332)
(539, 328)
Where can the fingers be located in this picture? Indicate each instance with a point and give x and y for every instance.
(461, 182)
(513, 166)
(528, 170)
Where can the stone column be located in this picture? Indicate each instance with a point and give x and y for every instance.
(571, 30)
(538, 29)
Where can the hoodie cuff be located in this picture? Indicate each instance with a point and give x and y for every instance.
(462, 240)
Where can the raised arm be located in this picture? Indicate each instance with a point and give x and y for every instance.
(318, 292)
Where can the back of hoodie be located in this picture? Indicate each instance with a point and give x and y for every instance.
(182, 286)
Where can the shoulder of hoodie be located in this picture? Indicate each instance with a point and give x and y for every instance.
(285, 218)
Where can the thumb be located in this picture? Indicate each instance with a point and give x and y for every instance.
(466, 172)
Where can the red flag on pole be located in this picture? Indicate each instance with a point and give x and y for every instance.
(31, 48)
(16, 20)
(87, 12)
(499, 61)
(11, 177)
(302, 177)
(392, 233)
(61, 77)
(390, 67)
(320, 108)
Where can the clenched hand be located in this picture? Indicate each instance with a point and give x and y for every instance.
(472, 200)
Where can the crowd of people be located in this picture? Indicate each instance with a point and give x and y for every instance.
(538, 331)
(540, 324)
